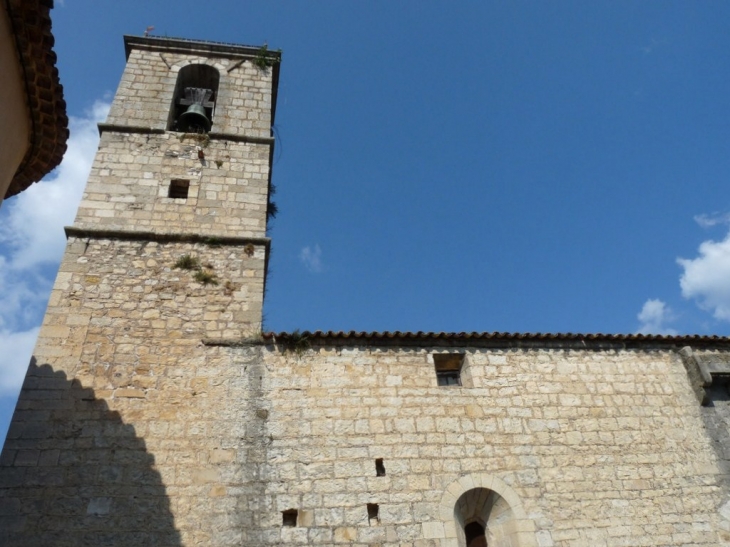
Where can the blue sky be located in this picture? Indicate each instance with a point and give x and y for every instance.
(447, 166)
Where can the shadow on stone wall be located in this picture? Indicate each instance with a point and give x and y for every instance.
(716, 415)
(72, 473)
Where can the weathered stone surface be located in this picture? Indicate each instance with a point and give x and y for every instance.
(130, 179)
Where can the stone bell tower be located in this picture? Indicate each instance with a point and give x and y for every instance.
(168, 249)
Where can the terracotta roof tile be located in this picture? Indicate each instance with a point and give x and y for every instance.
(501, 339)
(31, 23)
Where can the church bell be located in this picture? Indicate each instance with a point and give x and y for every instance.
(194, 119)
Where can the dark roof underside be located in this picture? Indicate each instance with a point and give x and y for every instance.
(501, 339)
(31, 24)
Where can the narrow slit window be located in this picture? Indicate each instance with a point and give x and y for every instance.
(179, 189)
(448, 368)
(379, 468)
(289, 517)
(373, 511)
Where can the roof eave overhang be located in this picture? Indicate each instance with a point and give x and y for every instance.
(487, 340)
(31, 24)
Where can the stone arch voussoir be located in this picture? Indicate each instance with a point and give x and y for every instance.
(176, 67)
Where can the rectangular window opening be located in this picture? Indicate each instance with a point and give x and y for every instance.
(448, 368)
(289, 517)
(373, 511)
(178, 188)
(379, 468)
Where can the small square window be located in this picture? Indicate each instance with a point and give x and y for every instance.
(178, 188)
(448, 368)
(289, 517)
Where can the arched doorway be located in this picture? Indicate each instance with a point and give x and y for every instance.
(488, 501)
(484, 518)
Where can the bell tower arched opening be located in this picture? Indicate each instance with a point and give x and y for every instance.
(194, 99)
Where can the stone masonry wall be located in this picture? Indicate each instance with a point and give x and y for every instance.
(113, 441)
(131, 175)
(156, 434)
(115, 290)
(145, 92)
(712, 377)
(600, 447)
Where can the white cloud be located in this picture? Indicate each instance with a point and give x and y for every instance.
(32, 243)
(712, 219)
(34, 221)
(23, 295)
(706, 279)
(311, 257)
(17, 348)
(653, 316)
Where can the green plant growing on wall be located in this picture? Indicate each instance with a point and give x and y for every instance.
(203, 274)
(213, 241)
(262, 60)
(297, 342)
(205, 277)
(187, 262)
(271, 210)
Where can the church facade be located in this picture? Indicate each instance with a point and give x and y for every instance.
(156, 412)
